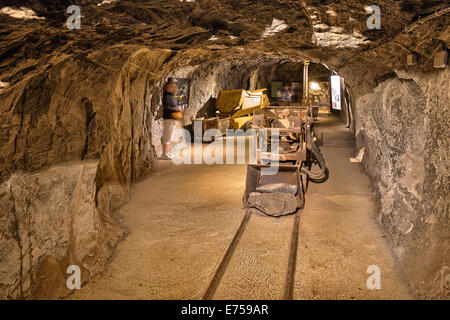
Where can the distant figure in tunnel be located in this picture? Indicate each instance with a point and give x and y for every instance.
(172, 115)
(285, 93)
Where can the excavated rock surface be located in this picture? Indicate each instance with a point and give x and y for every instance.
(49, 221)
(404, 127)
(94, 93)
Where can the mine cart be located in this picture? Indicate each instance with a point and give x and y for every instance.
(290, 144)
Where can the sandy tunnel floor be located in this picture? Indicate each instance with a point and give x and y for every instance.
(183, 218)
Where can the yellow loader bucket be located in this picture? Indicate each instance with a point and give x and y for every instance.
(245, 100)
(229, 100)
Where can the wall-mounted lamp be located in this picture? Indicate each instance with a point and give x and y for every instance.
(314, 86)
(440, 59)
(411, 59)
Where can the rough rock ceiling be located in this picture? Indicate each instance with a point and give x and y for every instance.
(332, 32)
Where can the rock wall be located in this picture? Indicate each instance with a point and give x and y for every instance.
(403, 126)
(48, 221)
(85, 107)
(92, 108)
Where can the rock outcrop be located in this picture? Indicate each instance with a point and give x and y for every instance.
(79, 110)
(49, 221)
(404, 127)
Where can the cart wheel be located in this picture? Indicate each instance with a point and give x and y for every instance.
(212, 139)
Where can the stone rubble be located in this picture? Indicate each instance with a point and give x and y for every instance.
(278, 187)
(277, 199)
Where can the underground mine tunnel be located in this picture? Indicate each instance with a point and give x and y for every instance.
(324, 173)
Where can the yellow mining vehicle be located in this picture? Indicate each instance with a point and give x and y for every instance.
(234, 109)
